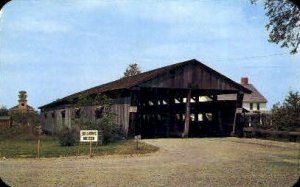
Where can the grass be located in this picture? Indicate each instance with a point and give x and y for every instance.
(50, 147)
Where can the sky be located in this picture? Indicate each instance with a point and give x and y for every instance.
(53, 48)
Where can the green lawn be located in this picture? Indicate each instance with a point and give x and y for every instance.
(50, 147)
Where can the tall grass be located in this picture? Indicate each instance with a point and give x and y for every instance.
(21, 143)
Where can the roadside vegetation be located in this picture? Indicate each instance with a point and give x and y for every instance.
(286, 116)
(282, 124)
(20, 142)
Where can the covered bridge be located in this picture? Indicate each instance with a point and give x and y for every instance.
(176, 100)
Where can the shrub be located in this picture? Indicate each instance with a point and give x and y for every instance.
(27, 118)
(67, 136)
(286, 117)
(108, 131)
(20, 132)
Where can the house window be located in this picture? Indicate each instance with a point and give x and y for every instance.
(63, 114)
(251, 106)
(53, 114)
(257, 106)
(77, 112)
(98, 112)
(45, 115)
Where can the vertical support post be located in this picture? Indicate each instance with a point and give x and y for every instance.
(139, 112)
(187, 115)
(215, 115)
(136, 118)
(239, 100)
(137, 144)
(38, 147)
(239, 104)
(170, 114)
(91, 149)
(197, 111)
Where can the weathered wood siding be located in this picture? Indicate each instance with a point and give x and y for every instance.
(53, 120)
(190, 76)
(121, 110)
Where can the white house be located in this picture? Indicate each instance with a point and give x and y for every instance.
(254, 102)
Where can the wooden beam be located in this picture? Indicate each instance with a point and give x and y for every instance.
(239, 106)
(187, 115)
(215, 125)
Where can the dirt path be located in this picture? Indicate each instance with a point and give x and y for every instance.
(179, 162)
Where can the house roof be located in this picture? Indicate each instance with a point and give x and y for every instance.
(136, 80)
(254, 97)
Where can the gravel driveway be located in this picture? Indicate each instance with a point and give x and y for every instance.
(179, 162)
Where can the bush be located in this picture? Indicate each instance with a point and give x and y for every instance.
(27, 118)
(286, 117)
(20, 132)
(108, 131)
(67, 136)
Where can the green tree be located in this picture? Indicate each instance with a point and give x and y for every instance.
(132, 69)
(25, 118)
(287, 115)
(284, 23)
(105, 124)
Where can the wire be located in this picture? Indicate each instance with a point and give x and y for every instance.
(246, 57)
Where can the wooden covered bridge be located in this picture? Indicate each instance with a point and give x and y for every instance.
(177, 100)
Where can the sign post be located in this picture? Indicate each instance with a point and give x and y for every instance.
(137, 138)
(91, 149)
(38, 147)
(89, 136)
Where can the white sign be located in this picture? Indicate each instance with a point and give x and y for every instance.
(88, 135)
(138, 137)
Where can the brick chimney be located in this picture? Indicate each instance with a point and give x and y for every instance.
(244, 80)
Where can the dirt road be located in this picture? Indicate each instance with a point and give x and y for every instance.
(179, 162)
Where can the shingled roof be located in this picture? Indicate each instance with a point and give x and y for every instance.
(133, 81)
(254, 97)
